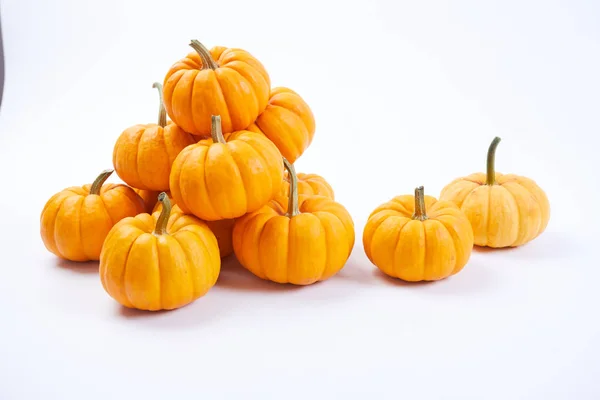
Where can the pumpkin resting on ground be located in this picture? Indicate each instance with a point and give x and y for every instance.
(288, 122)
(214, 179)
(75, 221)
(504, 210)
(309, 242)
(143, 154)
(417, 238)
(223, 81)
(160, 261)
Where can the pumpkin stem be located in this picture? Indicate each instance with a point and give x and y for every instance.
(97, 185)
(293, 208)
(215, 129)
(491, 162)
(163, 218)
(162, 112)
(204, 53)
(420, 212)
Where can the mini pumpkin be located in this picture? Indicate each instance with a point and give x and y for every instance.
(144, 153)
(222, 228)
(309, 184)
(223, 81)
(288, 122)
(504, 210)
(310, 241)
(159, 262)
(214, 179)
(417, 238)
(149, 197)
(75, 221)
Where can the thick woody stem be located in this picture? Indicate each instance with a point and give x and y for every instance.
(420, 212)
(97, 185)
(162, 111)
(215, 129)
(163, 218)
(491, 162)
(204, 53)
(293, 208)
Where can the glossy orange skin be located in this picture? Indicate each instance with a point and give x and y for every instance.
(74, 223)
(288, 122)
(309, 184)
(414, 250)
(238, 91)
(222, 229)
(217, 181)
(150, 198)
(159, 272)
(510, 213)
(301, 250)
(143, 154)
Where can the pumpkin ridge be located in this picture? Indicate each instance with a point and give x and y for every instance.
(250, 85)
(532, 235)
(259, 154)
(226, 100)
(194, 116)
(396, 264)
(206, 185)
(175, 177)
(260, 264)
(124, 272)
(137, 158)
(189, 263)
(518, 215)
(54, 241)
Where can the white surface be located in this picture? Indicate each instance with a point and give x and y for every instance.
(405, 93)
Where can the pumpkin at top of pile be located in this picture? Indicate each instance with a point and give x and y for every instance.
(229, 82)
(216, 179)
(144, 153)
(505, 210)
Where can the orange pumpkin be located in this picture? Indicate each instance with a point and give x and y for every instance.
(160, 261)
(222, 228)
(143, 154)
(226, 82)
(288, 122)
(149, 197)
(417, 238)
(75, 221)
(214, 179)
(504, 210)
(309, 184)
(309, 242)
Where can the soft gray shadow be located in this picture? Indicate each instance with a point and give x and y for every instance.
(358, 272)
(205, 310)
(235, 277)
(549, 245)
(88, 267)
(475, 277)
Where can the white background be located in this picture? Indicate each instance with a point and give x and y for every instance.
(405, 93)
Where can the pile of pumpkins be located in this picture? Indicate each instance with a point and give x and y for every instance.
(217, 178)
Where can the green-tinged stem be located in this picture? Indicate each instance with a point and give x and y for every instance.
(204, 53)
(215, 129)
(97, 185)
(420, 212)
(162, 111)
(491, 162)
(163, 218)
(293, 208)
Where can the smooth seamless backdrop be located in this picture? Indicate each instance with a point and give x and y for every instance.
(405, 93)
